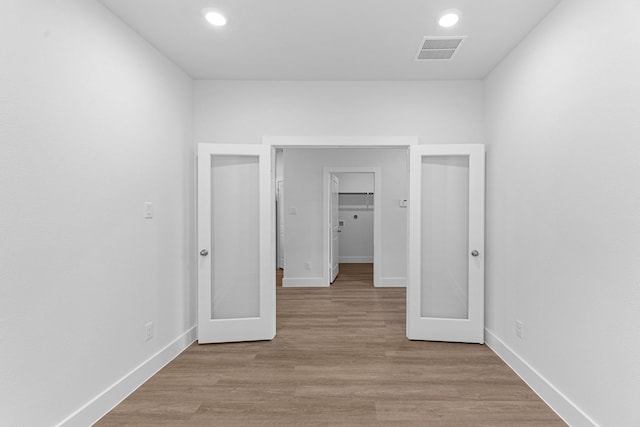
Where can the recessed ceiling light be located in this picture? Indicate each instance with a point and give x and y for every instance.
(449, 18)
(214, 17)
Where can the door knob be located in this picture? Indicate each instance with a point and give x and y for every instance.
(204, 252)
(475, 253)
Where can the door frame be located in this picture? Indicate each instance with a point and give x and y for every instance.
(377, 218)
(334, 205)
(281, 142)
(279, 189)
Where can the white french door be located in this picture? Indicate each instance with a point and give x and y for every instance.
(445, 290)
(236, 263)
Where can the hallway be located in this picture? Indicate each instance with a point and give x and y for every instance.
(340, 357)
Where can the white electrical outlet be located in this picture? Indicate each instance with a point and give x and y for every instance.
(307, 266)
(148, 331)
(519, 329)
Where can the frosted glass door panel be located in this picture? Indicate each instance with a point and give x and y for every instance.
(235, 237)
(445, 237)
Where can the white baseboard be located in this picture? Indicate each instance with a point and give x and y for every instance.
(391, 282)
(356, 259)
(561, 404)
(303, 282)
(100, 405)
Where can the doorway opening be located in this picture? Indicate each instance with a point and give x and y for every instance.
(356, 198)
(449, 177)
(313, 239)
(353, 217)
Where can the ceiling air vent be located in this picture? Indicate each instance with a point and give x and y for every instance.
(439, 48)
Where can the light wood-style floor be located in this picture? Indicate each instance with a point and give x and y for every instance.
(340, 358)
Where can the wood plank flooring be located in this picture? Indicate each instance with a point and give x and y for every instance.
(340, 358)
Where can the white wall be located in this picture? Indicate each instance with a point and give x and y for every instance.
(356, 236)
(303, 171)
(564, 206)
(359, 182)
(244, 111)
(93, 122)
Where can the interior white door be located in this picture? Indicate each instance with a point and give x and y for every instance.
(445, 293)
(236, 266)
(334, 225)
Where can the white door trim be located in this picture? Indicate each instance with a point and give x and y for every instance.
(334, 204)
(340, 141)
(279, 223)
(377, 218)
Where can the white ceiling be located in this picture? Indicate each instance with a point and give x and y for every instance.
(330, 39)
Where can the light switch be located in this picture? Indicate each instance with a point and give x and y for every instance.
(148, 210)
(292, 211)
(403, 203)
